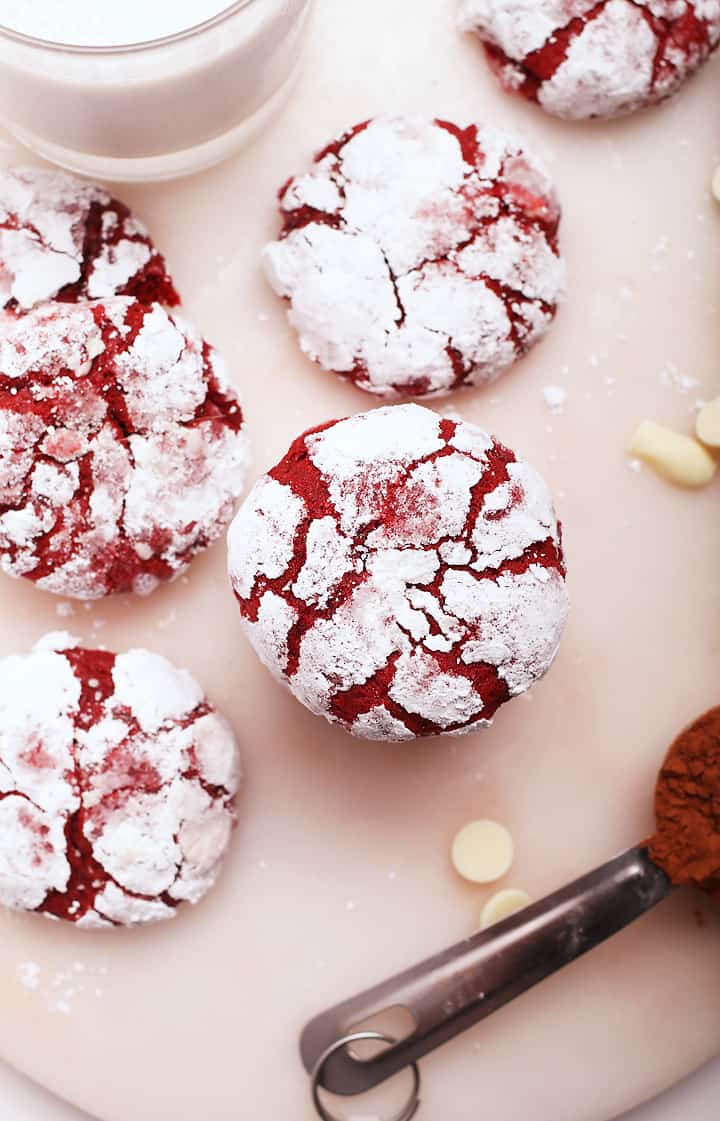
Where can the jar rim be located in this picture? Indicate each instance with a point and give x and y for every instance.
(184, 35)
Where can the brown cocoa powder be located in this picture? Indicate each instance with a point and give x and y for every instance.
(687, 807)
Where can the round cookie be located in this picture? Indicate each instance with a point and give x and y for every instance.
(122, 447)
(418, 256)
(62, 238)
(401, 573)
(581, 59)
(117, 780)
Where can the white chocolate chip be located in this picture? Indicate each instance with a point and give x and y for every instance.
(716, 184)
(502, 906)
(707, 425)
(680, 459)
(482, 852)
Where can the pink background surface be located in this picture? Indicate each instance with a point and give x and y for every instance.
(340, 874)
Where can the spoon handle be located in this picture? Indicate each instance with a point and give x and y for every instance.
(457, 988)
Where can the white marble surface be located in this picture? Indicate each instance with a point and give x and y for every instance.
(693, 1100)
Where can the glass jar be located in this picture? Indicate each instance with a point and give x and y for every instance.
(153, 110)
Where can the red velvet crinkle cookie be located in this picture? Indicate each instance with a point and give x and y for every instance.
(584, 58)
(64, 239)
(122, 447)
(117, 780)
(418, 256)
(402, 573)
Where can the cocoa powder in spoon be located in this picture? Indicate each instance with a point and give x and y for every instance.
(687, 807)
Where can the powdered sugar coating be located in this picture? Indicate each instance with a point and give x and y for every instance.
(594, 58)
(402, 573)
(62, 238)
(122, 447)
(418, 257)
(117, 781)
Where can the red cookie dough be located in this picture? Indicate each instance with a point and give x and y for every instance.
(418, 256)
(117, 780)
(62, 238)
(584, 58)
(122, 447)
(401, 573)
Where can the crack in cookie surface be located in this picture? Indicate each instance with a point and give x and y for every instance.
(62, 238)
(418, 256)
(594, 58)
(122, 447)
(402, 573)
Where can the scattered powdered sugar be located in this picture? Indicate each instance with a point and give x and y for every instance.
(28, 973)
(674, 378)
(168, 620)
(584, 58)
(402, 573)
(555, 398)
(64, 239)
(117, 781)
(60, 990)
(122, 447)
(418, 256)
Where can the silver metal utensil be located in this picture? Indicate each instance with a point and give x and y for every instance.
(457, 988)
(412, 1104)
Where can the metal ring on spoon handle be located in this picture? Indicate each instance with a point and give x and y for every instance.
(413, 1103)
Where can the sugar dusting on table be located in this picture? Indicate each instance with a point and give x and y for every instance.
(61, 989)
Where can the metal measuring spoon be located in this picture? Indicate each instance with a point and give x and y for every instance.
(455, 989)
(450, 992)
